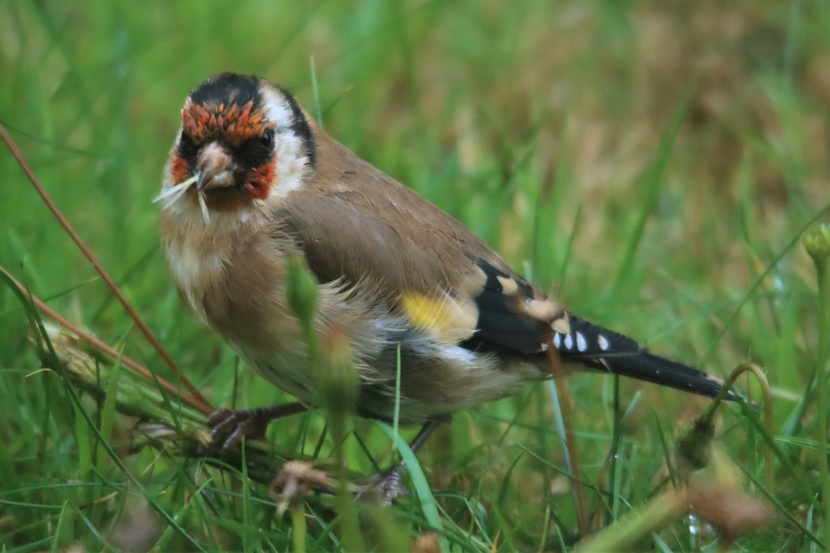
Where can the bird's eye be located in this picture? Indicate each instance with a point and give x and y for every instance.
(257, 150)
(268, 139)
(187, 148)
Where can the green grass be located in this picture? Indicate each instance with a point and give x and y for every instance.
(652, 163)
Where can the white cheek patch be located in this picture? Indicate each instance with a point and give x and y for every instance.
(277, 109)
(293, 163)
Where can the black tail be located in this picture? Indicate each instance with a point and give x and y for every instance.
(610, 351)
(651, 368)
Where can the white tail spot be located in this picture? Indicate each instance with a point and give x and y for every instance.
(569, 342)
(603, 342)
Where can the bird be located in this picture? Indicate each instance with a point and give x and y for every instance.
(252, 183)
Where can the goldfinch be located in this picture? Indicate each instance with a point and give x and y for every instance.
(252, 182)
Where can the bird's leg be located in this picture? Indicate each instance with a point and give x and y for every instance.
(385, 486)
(230, 426)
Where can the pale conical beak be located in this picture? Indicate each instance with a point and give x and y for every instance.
(214, 167)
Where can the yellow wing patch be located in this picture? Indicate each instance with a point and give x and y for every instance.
(447, 320)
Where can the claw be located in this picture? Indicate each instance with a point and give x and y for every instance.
(384, 487)
(229, 426)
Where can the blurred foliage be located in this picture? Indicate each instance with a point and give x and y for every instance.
(536, 123)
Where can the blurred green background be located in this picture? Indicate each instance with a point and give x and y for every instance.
(647, 161)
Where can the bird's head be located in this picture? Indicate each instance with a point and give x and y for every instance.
(242, 142)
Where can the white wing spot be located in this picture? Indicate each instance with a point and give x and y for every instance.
(557, 340)
(603, 342)
(581, 344)
(569, 342)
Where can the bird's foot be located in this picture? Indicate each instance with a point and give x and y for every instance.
(384, 487)
(229, 427)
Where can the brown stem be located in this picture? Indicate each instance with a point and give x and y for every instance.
(200, 404)
(18, 155)
(558, 372)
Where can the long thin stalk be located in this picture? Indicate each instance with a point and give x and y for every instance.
(202, 406)
(817, 243)
(558, 372)
(21, 160)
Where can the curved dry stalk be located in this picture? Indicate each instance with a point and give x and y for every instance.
(558, 372)
(197, 404)
(188, 435)
(21, 160)
(185, 435)
(754, 369)
(708, 414)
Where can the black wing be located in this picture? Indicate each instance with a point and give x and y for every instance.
(505, 328)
